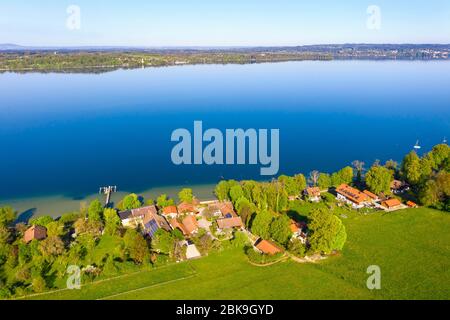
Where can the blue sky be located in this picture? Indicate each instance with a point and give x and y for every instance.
(223, 22)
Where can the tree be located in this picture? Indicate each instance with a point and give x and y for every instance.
(391, 165)
(300, 183)
(42, 221)
(244, 209)
(297, 248)
(290, 185)
(436, 191)
(112, 221)
(55, 228)
(411, 168)
(136, 246)
(261, 224)
(186, 195)
(346, 175)
(38, 284)
(379, 179)
(236, 192)
(280, 229)
(314, 177)
(51, 247)
(163, 201)
(7, 215)
(324, 181)
(95, 211)
(130, 202)
(326, 232)
(222, 190)
(163, 242)
(359, 167)
(440, 153)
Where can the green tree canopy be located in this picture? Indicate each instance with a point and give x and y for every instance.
(411, 168)
(95, 211)
(236, 192)
(280, 229)
(163, 201)
(7, 215)
(130, 201)
(112, 221)
(379, 179)
(186, 195)
(324, 181)
(327, 232)
(261, 224)
(135, 246)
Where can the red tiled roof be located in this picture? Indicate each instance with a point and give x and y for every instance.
(229, 223)
(352, 194)
(176, 225)
(294, 226)
(170, 210)
(391, 203)
(268, 247)
(226, 207)
(185, 207)
(370, 194)
(190, 224)
(35, 232)
(313, 191)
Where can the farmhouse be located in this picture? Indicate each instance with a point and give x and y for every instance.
(145, 217)
(35, 233)
(267, 247)
(352, 196)
(229, 223)
(313, 194)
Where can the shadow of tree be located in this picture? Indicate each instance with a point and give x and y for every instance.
(25, 216)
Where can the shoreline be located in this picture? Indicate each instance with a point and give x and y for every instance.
(56, 205)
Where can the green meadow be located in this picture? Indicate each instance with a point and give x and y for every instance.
(412, 248)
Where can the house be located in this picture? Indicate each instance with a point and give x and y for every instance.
(313, 194)
(226, 209)
(267, 247)
(412, 204)
(212, 207)
(35, 233)
(170, 212)
(190, 225)
(352, 196)
(297, 231)
(392, 204)
(229, 223)
(371, 195)
(146, 218)
(398, 186)
(187, 208)
(187, 226)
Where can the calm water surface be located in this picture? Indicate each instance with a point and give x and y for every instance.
(68, 134)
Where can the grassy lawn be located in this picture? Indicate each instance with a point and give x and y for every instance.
(412, 248)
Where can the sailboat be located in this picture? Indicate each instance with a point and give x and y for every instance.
(417, 145)
(444, 141)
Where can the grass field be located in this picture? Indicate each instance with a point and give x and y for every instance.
(412, 248)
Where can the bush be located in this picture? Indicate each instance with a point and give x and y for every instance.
(297, 248)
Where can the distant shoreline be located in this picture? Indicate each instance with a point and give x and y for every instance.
(102, 59)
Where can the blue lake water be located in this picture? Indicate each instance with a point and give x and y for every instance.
(69, 134)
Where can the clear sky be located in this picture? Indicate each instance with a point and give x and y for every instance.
(223, 22)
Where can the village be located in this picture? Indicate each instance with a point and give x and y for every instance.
(219, 219)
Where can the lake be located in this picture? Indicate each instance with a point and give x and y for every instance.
(65, 135)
